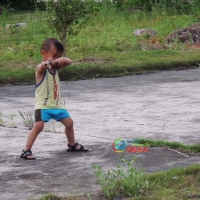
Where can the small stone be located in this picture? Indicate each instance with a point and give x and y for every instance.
(15, 25)
(139, 32)
(11, 9)
(11, 49)
(8, 25)
(73, 48)
(19, 25)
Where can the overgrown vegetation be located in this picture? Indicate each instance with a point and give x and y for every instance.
(23, 5)
(106, 47)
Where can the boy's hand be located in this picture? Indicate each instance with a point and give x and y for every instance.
(50, 63)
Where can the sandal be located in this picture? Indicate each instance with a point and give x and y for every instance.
(27, 153)
(73, 148)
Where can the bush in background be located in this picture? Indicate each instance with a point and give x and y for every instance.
(68, 17)
(170, 6)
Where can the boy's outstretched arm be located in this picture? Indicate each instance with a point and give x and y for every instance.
(62, 62)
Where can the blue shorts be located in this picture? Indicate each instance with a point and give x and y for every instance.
(51, 113)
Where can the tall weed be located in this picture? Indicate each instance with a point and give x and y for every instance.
(123, 182)
(28, 119)
(3, 16)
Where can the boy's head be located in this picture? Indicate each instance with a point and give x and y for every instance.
(51, 49)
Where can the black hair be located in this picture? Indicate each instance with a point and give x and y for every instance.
(46, 45)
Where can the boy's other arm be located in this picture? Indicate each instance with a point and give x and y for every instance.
(62, 62)
(40, 70)
(42, 67)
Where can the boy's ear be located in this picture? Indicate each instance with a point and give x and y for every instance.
(42, 52)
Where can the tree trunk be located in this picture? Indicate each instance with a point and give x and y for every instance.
(64, 41)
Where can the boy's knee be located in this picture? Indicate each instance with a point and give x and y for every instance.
(69, 123)
(39, 126)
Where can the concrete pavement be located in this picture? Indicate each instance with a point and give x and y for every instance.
(163, 105)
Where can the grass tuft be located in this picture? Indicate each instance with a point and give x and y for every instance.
(121, 182)
(195, 148)
(28, 119)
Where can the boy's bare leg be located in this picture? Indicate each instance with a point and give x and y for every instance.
(69, 131)
(38, 127)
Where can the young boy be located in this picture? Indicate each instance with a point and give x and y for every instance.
(47, 96)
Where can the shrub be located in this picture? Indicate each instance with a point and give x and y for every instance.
(121, 182)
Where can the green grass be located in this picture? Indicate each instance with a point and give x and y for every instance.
(106, 47)
(174, 184)
(194, 148)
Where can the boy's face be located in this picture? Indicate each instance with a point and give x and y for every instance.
(51, 54)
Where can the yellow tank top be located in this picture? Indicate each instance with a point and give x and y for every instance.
(47, 93)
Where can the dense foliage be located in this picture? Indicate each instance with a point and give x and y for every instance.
(104, 47)
(173, 6)
(23, 4)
